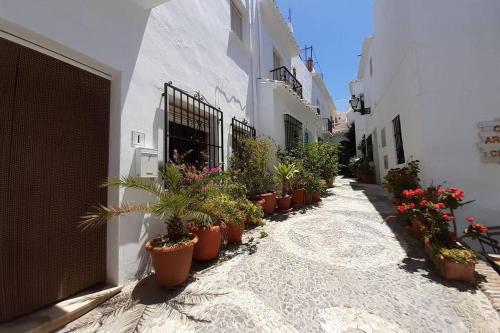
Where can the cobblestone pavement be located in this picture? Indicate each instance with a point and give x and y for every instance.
(337, 267)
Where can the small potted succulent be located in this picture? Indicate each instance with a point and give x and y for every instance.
(456, 264)
(285, 172)
(176, 205)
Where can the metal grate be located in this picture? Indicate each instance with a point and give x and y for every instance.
(293, 132)
(398, 140)
(194, 128)
(283, 74)
(240, 130)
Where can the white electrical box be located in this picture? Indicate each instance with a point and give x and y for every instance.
(146, 162)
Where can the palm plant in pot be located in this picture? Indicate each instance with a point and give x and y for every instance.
(177, 205)
(285, 172)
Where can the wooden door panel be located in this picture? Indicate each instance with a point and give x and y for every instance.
(59, 159)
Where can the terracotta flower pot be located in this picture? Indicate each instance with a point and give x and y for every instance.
(260, 202)
(329, 183)
(270, 203)
(429, 249)
(284, 203)
(209, 241)
(316, 197)
(308, 198)
(171, 264)
(454, 271)
(234, 233)
(298, 197)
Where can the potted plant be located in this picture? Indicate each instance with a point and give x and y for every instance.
(399, 179)
(313, 188)
(177, 205)
(456, 264)
(298, 192)
(225, 211)
(365, 172)
(250, 166)
(285, 172)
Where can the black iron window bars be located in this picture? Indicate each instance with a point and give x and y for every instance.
(398, 140)
(284, 75)
(241, 130)
(194, 128)
(293, 132)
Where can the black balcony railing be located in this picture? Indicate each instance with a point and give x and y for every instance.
(327, 125)
(283, 74)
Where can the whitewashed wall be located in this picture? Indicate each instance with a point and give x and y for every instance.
(442, 79)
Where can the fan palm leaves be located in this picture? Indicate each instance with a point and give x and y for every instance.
(176, 203)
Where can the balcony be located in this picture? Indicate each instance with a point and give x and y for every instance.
(327, 125)
(284, 75)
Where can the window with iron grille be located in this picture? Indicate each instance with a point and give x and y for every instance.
(386, 162)
(240, 131)
(398, 140)
(382, 134)
(293, 132)
(236, 21)
(194, 129)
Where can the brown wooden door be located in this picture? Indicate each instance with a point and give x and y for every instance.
(54, 128)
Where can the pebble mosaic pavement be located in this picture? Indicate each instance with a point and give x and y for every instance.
(337, 267)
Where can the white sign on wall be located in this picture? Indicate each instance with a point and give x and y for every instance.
(489, 132)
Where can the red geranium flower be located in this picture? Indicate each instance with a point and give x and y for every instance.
(471, 219)
(440, 205)
(423, 203)
(419, 192)
(441, 191)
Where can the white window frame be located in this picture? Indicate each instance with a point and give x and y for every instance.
(236, 20)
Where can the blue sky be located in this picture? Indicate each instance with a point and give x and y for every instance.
(336, 29)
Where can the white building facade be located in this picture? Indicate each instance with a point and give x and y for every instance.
(428, 78)
(211, 66)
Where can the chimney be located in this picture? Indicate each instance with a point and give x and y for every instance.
(310, 64)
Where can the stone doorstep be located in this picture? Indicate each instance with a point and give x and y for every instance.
(58, 315)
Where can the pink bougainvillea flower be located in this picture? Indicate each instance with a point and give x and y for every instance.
(471, 219)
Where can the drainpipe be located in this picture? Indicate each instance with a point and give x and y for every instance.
(256, 51)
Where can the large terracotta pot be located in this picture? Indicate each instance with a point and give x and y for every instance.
(298, 197)
(209, 241)
(329, 183)
(308, 198)
(260, 202)
(171, 264)
(270, 203)
(316, 197)
(284, 203)
(454, 271)
(234, 233)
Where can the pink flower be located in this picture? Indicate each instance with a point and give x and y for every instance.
(423, 203)
(459, 195)
(419, 192)
(402, 209)
(412, 205)
(471, 219)
(441, 191)
(448, 217)
(440, 205)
